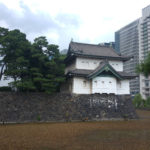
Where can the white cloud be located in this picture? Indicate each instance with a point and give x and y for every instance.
(92, 21)
(3, 24)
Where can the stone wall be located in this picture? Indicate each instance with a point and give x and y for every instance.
(31, 107)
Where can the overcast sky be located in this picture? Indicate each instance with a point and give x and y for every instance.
(88, 21)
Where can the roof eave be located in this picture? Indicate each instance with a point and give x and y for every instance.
(69, 58)
(102, 57)
(75, 75)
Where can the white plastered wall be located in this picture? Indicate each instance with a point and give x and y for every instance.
(91, 64)
(117, 65)
(123, 87)
(100, 85)
(85, 63)
(81, 86)
(104, 85)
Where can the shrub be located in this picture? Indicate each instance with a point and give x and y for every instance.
(147, 102)
(5, 89)
(125, 117)
(38, 118)
(138, 101)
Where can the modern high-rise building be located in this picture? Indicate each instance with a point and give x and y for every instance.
(144, 48)
(134, 40)
(127, 43)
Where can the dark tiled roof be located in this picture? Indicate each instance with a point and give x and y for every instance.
(127, 75)
(89, 73)
(91, 50)
(79, 72)
(85, 73)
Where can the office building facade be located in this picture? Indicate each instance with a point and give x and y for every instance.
(127, 43)
(134, 40)
(144, 48)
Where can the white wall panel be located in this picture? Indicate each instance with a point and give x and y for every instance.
(123, 87)
(81, 86)
(85, 63)
(104, 85)
(117, 65)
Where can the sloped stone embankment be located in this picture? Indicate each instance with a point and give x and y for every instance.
(31, 107)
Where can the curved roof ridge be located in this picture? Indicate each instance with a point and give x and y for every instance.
(88, 44)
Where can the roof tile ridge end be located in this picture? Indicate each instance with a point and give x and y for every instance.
(85, 43)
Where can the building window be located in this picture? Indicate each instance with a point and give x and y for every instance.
(119, 83)
(146, 77)
(103, 82)
(95, 62)
(84, 83)
(87, 63)
(146, 83)
(110, 82)
(147, 90)
(95, 82)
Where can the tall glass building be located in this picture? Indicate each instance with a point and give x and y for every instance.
(144, 48)
(127, 43)
(134, 40)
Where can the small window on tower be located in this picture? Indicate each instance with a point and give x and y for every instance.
(119, 83)
(110, 82)
(103, 82)
(95, 83)
(84, 83)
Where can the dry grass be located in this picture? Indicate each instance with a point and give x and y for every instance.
(107, 135)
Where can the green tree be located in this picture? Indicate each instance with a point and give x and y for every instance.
(34, 67)
(138, 101)
(14, 51)
(48, 59)
(144, 66)
(3, 33)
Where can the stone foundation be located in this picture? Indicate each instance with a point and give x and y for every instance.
(32, 107)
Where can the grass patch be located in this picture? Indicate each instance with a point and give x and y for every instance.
(106, 135)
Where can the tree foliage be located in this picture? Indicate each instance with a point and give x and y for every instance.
(139, 102)
(36, 66)
(144, 67)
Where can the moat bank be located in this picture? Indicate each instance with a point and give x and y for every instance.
(32, 107)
